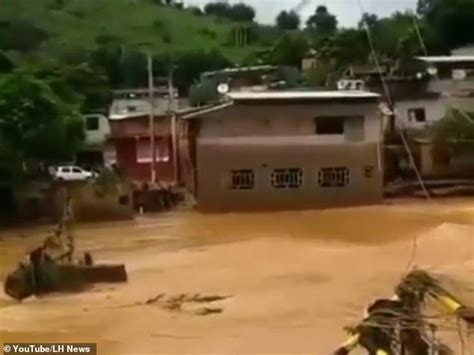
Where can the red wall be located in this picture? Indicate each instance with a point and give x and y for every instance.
(141, 172)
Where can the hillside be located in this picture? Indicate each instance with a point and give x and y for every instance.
(78, 23)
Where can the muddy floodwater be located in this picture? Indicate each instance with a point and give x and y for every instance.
(260, 283)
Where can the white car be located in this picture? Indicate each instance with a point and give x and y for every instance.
(72, 173)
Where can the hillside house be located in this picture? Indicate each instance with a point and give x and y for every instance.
(241, 78)
(285, 150)
(96, 128)
(129, 143)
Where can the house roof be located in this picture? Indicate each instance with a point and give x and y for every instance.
(285, 96)
(240, 70)
(207, 109)
(301, 95)
(448, 59)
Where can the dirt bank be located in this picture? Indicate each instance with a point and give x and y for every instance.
(291, 280)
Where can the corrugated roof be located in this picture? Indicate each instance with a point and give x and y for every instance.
(448, 59)
(207, 109)
(299, 95)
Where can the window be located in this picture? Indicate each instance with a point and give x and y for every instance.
(368, 171)
(76, 170)
(333, 177)
(162, 151)
(65, 170)
(417, 115)
(329, 125)
(287, 178)
(131, 108)
(242, 179)
(92, 123)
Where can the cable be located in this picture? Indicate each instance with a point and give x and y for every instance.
(391, 103)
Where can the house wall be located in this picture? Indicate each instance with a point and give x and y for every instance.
(139, 126)
(268, 137)
(448, 85)
(216, 160)
(292, 120)
(124, 106)
(99, 136)
(126, 155)
(435, 110)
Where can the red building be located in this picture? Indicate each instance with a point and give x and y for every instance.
(130, 149)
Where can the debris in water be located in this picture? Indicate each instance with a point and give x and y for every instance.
(187, 303)
(399, 323)
(51, 267)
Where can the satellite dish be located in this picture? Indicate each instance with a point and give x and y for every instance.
(223, 88)
(432, 71)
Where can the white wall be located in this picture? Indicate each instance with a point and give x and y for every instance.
(435, 110)
(99, 136)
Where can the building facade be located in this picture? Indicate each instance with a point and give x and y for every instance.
(286, 150)
(129, 144)
(97, 129)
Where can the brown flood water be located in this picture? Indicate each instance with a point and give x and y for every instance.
(294, 279)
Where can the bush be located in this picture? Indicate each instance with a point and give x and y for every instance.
(195, 10)
(208, 33)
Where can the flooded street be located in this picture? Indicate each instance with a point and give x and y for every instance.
(291, 280)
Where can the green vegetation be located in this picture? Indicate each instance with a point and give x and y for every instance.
(457, 128)
(59, 25)
(60, 58)
(36, 126)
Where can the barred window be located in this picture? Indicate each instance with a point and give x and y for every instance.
(333, 177)
(242, 179)
(287, 178)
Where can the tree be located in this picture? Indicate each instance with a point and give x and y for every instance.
(242, 13)
(35, 124)
(288, 20)
(290, 49)
(370, 20)
(6, 64)
(189, 65)
(239, 12)
(424, 7)
(21, 36)
(451, 20)
(195, 10)
(322, 22)
(348, 46)
(219, 9)
(457, 129)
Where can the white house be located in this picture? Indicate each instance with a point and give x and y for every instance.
(420, 111)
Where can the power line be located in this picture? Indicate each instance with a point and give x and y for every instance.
(391, 103)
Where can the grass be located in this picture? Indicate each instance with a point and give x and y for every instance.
(77, 24)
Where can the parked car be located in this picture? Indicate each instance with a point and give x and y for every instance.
(72, 173)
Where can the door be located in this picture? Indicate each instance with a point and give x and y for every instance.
(77, 173)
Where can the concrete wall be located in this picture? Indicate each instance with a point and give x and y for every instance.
(435, 110)
(99, 136)
(293, 120)
(265, 137)
(217, 158)
(451, 86)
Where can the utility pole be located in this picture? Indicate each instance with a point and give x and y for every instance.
(172, 112)
(152, 119)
